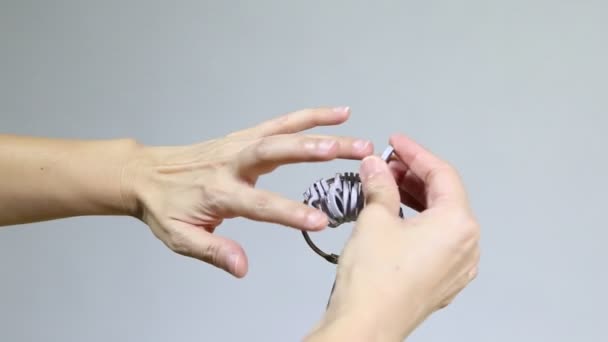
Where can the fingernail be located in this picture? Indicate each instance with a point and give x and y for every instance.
(326, 145)
(314, 219)
(361, 145)
(344, 109)
(371, 166)
(233, 262)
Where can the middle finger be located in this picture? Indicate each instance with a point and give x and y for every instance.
(411, 187)
(270, 152)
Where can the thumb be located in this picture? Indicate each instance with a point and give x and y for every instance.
(216, 250)
(379, 186)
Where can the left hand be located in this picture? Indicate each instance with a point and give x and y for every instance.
(184, 193)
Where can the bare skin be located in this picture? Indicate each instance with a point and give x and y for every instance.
(394, 273)
(183, 193)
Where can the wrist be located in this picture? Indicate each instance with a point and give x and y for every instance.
(358, 314)
(139, 179)
(354, 326)
(137, 158)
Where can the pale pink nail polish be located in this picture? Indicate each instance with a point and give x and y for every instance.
(233, 262)
(314, 219)
(344, 109)
(360, 145)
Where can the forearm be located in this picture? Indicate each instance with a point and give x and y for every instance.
(362, 314)
(346, 329)
(43, 179)
(362, 326)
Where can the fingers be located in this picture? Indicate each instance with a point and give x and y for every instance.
(441, 181)
(410, 201)
(271, 152)
(379, 186)
(298, 121)
(265, 206)
(411, 187)
(197, 243)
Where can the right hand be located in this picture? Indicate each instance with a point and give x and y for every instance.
(394, 273)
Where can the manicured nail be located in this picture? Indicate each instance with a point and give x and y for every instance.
(371, 166)
(233, 262)
(361, 145)
(345, 109)
(326, 145)
(314, 219)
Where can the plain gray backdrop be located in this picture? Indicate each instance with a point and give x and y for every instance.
(514, 93)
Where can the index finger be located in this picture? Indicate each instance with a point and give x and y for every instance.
(441, 181)
(298, 121)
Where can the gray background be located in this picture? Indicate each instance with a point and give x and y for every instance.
(512, 92)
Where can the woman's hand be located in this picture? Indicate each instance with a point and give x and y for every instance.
(184, 193)
(393, 273)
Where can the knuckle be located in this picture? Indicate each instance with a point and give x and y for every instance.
(261, 203)
(471, 229)
(445, 303)
(307, 144)
(262, 150)
(436, 173)
(210, 253)
(475, 270)
(282, 123)
(469, 232)
(215, 200)
(474, 273)
(446, 166)
(466, 226)
(213, 203)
